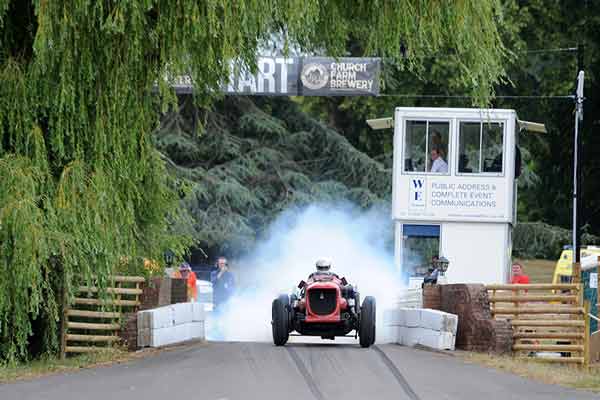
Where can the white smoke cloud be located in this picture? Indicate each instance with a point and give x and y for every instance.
(353, 239)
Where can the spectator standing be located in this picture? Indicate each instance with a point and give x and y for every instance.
(185, 272)
(223, 283)
(518, 275)
(434, 271)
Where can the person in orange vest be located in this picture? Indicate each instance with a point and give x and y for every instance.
(518, 275)
(185, 272)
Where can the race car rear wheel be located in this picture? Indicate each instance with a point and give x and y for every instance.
(366, 330)
(280, 320)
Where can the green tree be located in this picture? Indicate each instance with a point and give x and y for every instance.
(81, 184)
(526, 27)
(257, 159)
(558, 25)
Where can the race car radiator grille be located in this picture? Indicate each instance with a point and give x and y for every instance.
(322, 301)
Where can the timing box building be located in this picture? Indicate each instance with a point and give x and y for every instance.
(454, 191)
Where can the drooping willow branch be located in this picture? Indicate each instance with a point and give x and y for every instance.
(82, 187)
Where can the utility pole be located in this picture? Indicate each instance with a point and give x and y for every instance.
(577, 158)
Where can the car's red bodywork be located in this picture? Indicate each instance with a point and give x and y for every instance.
(314, 316)
(323, 283)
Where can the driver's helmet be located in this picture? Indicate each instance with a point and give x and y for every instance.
(323, 265)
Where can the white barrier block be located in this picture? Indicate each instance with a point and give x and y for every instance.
(177, 334)
(182, 332)
(143, 320)
(411, 336)
(160, 318)
(439, 321)
(183, 313)
(397, 334)
(426, 337)
(437, 340)
(387, 334)
(411, 317)
(450, 341)
(144, 337)
(392, 317)
(197, 330)
(171, 324)
(162, 337)
(426, 327)
(401, 335)
(198, 312)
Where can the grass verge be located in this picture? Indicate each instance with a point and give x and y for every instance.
(559, 374)
(46, 366)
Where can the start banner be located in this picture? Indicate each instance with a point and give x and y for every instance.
(303, 76)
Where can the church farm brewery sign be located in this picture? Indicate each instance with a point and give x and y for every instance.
(303, 76)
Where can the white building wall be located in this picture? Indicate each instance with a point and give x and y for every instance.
(475, 252)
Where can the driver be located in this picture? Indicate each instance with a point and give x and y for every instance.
(323, 268)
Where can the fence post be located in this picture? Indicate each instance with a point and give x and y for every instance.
(576, 272)
(586, 335)
(63, 322)
(598, 291)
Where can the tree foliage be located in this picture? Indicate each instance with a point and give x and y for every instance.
(541, 240)
(547, 24)
(82, 185)
(527, 28)
(257, 159)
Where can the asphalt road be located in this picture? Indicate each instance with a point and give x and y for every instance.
(307, 371)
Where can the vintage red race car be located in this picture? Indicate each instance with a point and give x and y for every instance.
(325, 306)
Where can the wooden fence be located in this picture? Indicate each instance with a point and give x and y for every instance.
(550, 321)
(91, 322)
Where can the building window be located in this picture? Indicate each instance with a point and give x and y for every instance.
(480, 147)
(419, 245)
(426, 146)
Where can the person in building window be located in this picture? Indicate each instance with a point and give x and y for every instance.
(518, 275)
(223, 283)
(438, 143)
(438, 165)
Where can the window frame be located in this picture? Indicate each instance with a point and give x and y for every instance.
(440, 227)
(449, 161)
(504, 123)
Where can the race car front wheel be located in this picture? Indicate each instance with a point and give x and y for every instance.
(280, 320)
(366, 330)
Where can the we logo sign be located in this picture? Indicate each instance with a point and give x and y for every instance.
(417, 192)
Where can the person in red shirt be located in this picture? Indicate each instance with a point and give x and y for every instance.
(518, 275)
